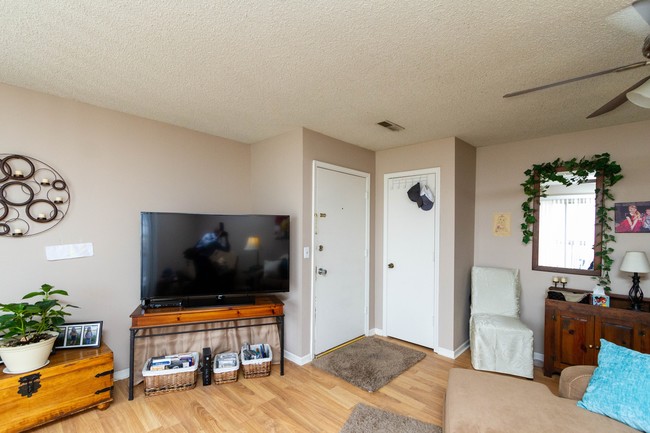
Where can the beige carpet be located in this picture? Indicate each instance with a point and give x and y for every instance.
(369, 363)
(366, 419)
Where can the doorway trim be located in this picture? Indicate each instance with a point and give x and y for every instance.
(436, 247)
(312, 270)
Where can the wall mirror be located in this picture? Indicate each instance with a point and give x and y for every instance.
(567, 218)
(566, 234)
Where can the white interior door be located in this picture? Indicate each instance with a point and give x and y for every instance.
(410, 273)
(340, 253)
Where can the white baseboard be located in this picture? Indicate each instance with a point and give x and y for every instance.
(453, 354)
(538, 359)
(300, 360)
(121, 374)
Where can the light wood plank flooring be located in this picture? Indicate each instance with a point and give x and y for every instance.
(305, 399)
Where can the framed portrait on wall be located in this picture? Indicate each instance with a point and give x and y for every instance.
(632, 217)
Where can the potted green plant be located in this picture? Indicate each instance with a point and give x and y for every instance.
(28, 330)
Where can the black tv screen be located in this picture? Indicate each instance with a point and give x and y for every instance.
(199, 259)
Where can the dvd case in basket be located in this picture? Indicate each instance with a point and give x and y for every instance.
(170, 373)
(225, 368)
(257, 367)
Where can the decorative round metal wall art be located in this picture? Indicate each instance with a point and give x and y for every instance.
(33, 196)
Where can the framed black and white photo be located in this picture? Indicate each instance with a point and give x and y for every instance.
(76, 335)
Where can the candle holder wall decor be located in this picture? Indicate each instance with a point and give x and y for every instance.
(33, 196)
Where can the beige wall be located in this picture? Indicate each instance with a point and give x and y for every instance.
(116, 166)
(465, 191)
(277, 188)
(500, 171)
(452, 156)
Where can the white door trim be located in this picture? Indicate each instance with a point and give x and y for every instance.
(436, 246)
(366, 176)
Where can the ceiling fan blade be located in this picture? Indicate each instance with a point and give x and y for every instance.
(583, 77)
(643, 8)
(617, 101)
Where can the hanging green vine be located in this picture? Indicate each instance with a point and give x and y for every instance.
(534, 188)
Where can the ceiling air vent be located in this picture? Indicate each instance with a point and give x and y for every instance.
(390, 125)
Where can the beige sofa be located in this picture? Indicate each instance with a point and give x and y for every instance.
(479, 401)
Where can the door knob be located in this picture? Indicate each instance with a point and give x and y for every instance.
(322, 271)
(391, 265)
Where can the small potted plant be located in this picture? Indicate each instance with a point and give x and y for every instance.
(28, 330)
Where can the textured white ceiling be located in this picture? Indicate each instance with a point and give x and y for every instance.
(252, 69)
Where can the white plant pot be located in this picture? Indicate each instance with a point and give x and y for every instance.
(21, 359)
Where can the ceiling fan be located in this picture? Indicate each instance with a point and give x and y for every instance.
(638, 93)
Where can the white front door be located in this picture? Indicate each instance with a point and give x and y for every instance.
(340, 255)
(410, 269)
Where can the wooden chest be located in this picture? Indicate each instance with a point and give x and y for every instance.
(74, 380)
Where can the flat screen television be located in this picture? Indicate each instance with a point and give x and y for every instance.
(197, 259)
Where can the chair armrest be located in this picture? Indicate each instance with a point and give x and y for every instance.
(574, 381)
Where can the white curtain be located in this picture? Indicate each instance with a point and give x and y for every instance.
(566, 231)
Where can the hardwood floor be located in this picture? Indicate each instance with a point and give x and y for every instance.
(305, 399)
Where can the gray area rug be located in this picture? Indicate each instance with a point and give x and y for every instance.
(369, 363)
(366, 419)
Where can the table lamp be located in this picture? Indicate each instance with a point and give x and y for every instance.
(253, 244)
(637, 263)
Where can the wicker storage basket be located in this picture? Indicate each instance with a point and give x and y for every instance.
(257, 367)
(222, 375)
(164, 381)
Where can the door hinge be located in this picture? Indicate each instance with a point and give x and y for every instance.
(108, 389)
(29, 384)
(104, 373)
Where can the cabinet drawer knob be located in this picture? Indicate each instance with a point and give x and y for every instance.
(591, 346)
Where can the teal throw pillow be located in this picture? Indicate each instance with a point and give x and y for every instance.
(620, 386)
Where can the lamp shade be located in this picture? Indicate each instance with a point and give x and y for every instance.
(635, 261)
(641, 95)
(252, 243)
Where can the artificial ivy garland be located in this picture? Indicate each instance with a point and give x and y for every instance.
(549, 171)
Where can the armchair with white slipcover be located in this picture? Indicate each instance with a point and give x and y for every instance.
(499, 341)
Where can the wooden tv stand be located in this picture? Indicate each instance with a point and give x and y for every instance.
(265, 307)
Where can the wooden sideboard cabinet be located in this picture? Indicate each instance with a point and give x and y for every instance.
(74, 380)
(572, 331)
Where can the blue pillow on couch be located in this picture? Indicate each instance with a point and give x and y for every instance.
(620, 386)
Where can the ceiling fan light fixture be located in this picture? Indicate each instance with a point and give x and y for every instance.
(641, 95)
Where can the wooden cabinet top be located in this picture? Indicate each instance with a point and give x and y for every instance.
(619, 306)
(264, 306)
